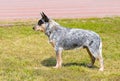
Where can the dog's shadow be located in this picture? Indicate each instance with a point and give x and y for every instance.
(50, 62)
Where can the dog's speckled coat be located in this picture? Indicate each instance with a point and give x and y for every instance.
(65, 39)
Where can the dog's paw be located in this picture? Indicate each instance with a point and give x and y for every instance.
(56, 67)
(101, 69)
(90, 65)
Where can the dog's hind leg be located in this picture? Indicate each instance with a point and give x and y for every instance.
(97, 54)
(91, 57)
(100, 58)
(58, 58)
(101, 63)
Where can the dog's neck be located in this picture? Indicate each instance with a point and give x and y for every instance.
(52, 24)
(50, 27)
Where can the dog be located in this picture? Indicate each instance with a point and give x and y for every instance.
(62, 38)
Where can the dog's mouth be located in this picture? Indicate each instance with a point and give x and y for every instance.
(35, 29)
(41, 30)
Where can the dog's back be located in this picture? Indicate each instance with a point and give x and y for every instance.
(74, 38)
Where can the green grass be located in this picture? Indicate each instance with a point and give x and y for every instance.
(26, 55)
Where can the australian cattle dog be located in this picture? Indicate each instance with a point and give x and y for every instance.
(62, 38)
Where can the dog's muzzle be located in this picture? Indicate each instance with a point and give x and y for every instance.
(34, 28)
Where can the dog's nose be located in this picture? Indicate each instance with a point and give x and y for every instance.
(33, 28)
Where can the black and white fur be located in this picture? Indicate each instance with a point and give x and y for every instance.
(63, 38)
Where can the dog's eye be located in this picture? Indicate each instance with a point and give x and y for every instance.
(40, 22)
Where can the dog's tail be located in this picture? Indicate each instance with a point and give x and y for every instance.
(100, 57)
(99, 52)
(100, 49)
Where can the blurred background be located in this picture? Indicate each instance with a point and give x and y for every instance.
(15, 9)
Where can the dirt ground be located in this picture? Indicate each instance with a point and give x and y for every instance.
(15, 9)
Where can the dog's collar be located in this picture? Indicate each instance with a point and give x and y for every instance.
(47, 30)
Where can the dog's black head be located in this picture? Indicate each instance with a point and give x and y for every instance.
(41, 25)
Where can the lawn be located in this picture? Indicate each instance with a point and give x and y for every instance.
(26, 55)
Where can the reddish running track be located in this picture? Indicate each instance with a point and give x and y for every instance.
(15, 9)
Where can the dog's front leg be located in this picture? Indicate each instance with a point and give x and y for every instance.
(58, 58)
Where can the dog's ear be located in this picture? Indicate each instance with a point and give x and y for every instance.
(46, 19)
(41, 15)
